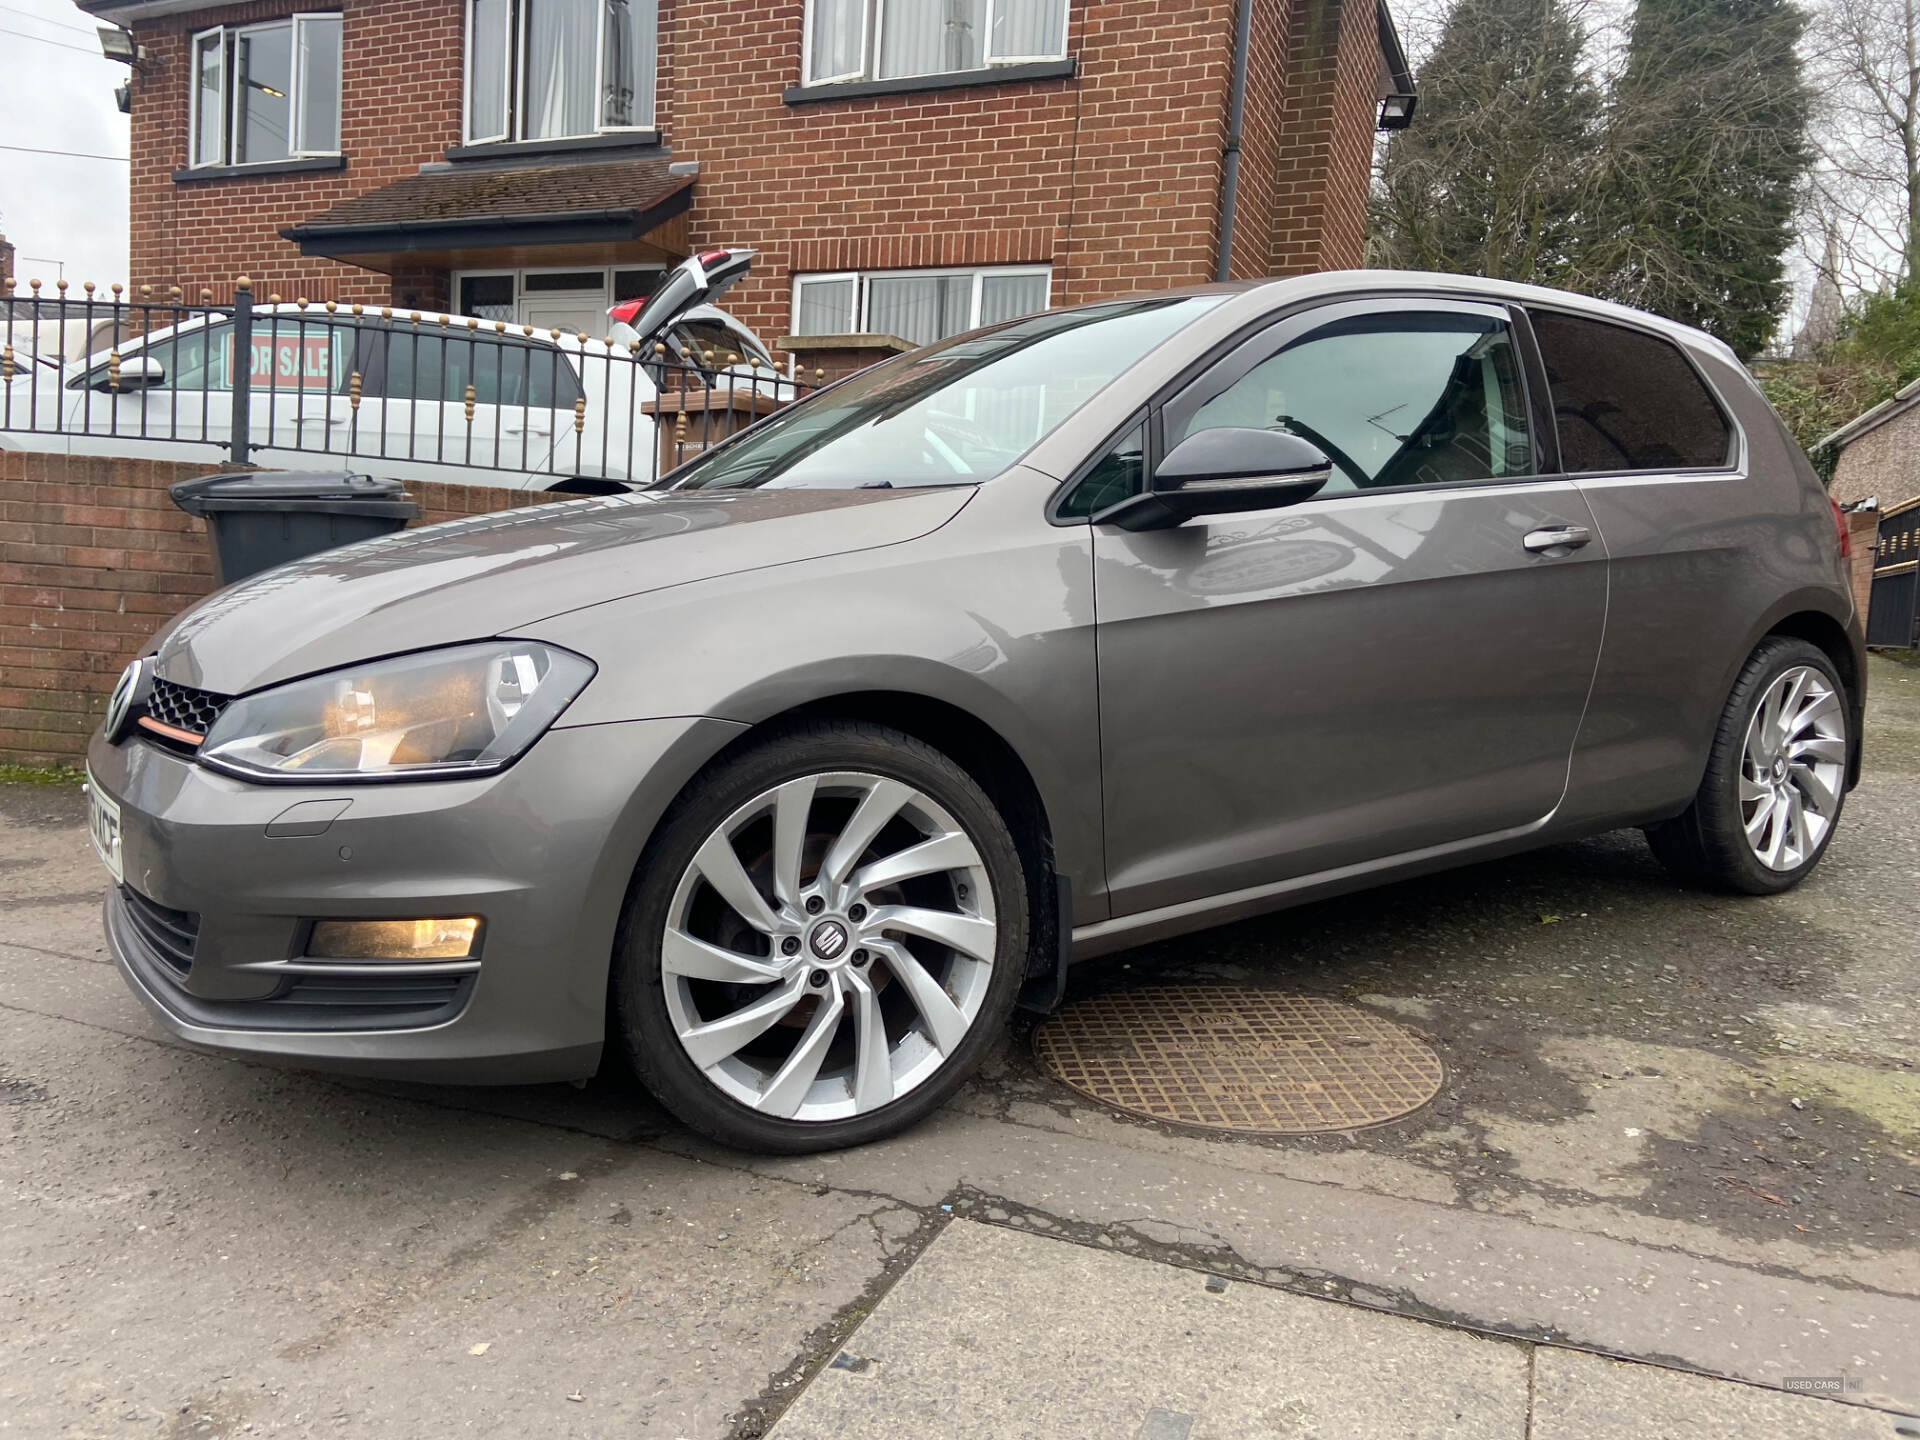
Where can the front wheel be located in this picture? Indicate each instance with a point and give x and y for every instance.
(826, 935)
(1776, 777)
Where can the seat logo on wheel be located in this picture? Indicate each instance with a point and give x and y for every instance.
(829, 939)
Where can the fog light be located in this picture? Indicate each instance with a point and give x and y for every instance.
(394, 939)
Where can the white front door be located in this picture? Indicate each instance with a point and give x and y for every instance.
(573, 303)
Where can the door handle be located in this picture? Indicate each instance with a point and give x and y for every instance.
(1557, 540)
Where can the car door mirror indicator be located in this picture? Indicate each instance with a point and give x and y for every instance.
(1224, 471)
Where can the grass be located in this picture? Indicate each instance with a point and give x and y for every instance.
(40, 775)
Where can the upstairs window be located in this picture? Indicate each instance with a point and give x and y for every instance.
(560, 69)
(896, 39)
(263, 93)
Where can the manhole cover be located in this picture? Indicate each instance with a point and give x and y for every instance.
(1232, 1058)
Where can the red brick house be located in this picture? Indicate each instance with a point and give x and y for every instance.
(903, 166)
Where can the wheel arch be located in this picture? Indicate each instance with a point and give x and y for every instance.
(978, 747)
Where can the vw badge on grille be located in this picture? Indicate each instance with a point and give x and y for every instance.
(129, 698)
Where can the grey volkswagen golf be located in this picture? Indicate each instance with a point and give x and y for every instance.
(794, 775)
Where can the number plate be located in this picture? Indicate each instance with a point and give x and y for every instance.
(103, 823)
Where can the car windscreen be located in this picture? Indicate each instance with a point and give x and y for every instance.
(954, 414)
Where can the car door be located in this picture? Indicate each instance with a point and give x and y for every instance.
(172, 398)
(1682, 506)
(1400, 662)
(298, 402)
(439, 396)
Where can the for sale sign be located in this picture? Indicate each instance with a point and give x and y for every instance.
(291, 359)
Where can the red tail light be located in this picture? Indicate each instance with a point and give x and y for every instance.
(713, 257)
(1840, 529)
(626, 310)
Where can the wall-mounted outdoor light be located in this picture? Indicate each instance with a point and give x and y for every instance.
(1396, 111)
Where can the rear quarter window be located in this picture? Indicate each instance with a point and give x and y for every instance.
(1627, 400)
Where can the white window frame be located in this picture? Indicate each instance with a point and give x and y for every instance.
(519, 278)
(193, 99)
(466, 89)
(827, 277)
(873, 15)
(515, 79)
(862, 287)
(228, 36)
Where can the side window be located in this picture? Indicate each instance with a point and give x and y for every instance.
(195, 359)
(428, 366)
(1627, 400)
(1393, 399)
(1116, 475)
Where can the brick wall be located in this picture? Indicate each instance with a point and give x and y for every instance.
(1112, 177)
(400, 105)
(1325, 150)
(94, 558)
(1863, 532)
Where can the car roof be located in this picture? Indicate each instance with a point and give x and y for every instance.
(433, 319)
(1266, 294)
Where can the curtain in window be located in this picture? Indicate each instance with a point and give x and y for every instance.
(629, 62)
(826, 307)
(920, 308)
(1028, 29)
(209, 115)
(263, 78)
(560, 55)
(926, 37)
(488, 22)
(835, 40)
(317, 49)
(1007, 297)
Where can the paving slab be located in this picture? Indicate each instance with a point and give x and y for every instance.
(994, 1333)
(196, 1248)
(1587, 1397)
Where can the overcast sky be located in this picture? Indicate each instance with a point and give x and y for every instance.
(56, 93)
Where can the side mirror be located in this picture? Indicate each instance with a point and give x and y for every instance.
(137, 372)
(1223, 471)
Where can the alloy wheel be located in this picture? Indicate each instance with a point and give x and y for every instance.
(1793, 768)
(829, 946)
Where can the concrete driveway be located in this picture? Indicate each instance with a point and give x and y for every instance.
(1677, 1129)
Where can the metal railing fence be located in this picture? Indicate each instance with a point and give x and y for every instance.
(400, 392)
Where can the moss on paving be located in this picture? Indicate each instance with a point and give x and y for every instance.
(40, 775)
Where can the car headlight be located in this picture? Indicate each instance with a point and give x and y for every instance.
(466, 710)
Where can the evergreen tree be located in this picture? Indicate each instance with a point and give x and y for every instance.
(1486, 181)
(1691, 206)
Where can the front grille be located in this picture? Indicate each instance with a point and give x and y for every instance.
(372, 997)
(169, 934)
(185, 708)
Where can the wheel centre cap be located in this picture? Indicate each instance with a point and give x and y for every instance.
(829, 939)
(1780, 769)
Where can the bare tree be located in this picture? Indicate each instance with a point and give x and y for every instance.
(1864, 62)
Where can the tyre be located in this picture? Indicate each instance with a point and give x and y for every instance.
(825, 936)
(1776, 777)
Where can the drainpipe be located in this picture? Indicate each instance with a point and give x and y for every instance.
(1236, 111)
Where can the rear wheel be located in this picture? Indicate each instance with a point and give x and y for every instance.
(1776, 778)
(826, 936)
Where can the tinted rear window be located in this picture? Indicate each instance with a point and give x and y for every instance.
(1626, 400)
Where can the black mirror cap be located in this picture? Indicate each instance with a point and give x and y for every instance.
(1225, 471)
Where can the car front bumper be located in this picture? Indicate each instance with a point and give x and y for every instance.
(212, 919)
